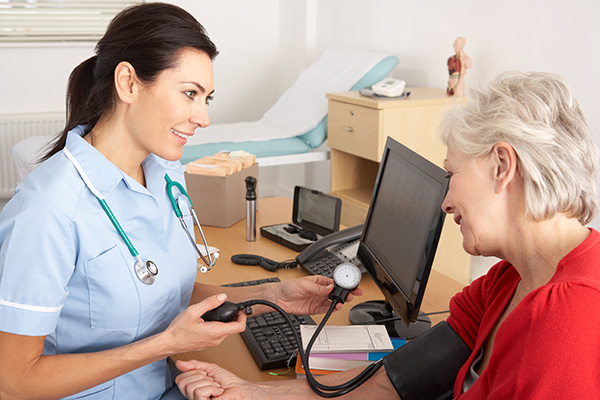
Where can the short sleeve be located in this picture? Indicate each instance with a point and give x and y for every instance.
(37, 258)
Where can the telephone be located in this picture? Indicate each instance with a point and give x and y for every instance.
(321, 257)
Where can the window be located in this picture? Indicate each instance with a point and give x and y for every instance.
(57, 20)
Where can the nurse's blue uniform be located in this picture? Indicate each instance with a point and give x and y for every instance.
(65, 273)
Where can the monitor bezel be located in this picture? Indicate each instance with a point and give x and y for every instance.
(407, 306)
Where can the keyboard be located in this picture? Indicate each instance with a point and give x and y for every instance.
(269, 337)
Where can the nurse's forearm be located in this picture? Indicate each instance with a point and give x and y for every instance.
(236, 294)
(26, 374)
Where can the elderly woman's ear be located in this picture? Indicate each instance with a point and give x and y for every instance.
(504, 159)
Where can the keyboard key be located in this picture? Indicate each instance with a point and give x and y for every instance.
(268, 336)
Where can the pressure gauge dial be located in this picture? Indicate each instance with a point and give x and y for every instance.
(347, 276)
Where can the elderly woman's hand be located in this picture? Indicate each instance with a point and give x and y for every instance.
(308, 295)
(200, 380)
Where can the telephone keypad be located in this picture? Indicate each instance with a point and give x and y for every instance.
(324, 266)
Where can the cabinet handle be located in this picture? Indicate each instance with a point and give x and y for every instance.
(352, 112)
(349, 129)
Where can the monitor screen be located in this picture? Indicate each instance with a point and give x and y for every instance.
(403, 227)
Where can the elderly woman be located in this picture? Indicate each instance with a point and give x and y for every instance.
(523, 169)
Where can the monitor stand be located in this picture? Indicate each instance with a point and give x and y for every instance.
(369, 312)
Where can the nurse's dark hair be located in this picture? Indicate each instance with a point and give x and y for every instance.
(150, 37)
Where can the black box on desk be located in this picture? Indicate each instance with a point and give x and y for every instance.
(220, 200)
(315, 214)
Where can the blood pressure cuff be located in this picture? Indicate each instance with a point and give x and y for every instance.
(426, 367)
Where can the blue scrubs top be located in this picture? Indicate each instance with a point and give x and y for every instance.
(66, 273)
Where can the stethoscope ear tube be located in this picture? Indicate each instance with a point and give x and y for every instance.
(210, 262)
(175, 203)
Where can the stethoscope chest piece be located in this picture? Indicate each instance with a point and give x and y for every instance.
(146, 272)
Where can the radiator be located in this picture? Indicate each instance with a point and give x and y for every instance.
(13, 129)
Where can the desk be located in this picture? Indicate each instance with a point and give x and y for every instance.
(233, 354)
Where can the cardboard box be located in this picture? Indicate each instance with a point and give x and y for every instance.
(220, 200)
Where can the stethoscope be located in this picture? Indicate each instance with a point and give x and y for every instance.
(146, 272)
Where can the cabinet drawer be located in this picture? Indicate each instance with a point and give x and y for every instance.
(354, 129)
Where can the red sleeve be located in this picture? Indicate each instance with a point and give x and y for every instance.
(536, 357)
(467, 308)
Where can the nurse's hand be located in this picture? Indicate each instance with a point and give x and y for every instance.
(308, 295)
(188, 331)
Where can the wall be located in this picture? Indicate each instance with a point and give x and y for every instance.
(247, 70)
(543, 35)
(264, 44)
(244, 69)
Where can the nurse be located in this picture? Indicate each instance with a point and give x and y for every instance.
(75, 320)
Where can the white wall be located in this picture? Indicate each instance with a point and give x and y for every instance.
(264, 44)
(543, 35)
(247, 68)
(34, 77)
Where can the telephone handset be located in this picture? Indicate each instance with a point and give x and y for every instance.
(321, 257)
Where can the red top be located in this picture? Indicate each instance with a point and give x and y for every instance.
(549, 345)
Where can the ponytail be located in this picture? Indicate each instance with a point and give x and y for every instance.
(82, 105)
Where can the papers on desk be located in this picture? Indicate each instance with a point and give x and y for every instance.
(344, 339)
(327, 363)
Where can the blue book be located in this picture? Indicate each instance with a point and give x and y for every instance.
(362, 356)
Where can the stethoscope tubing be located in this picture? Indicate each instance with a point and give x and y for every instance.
(143, 271)
(118, 227)
(210, 262)
(175, 203)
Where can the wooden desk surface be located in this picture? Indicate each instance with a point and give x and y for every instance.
(233, 354)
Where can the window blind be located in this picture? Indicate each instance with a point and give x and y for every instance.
(57, 20)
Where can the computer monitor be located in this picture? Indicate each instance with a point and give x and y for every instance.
(400, 237)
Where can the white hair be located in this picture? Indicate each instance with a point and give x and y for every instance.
(538, 116)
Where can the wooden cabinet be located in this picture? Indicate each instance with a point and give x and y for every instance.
(358, 127)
